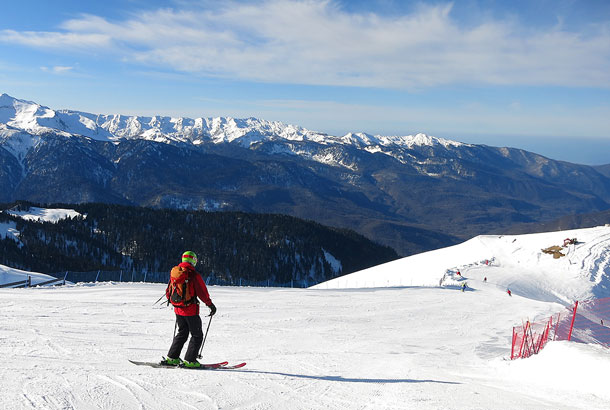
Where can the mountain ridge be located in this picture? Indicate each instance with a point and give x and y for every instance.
(413, 193)
(37, 119)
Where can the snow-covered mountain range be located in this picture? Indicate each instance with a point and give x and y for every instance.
(413, 192)
(36, 119)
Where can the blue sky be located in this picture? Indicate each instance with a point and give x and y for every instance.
(529, 74)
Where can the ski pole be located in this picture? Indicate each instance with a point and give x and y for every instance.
(205, 337)
(158, 300)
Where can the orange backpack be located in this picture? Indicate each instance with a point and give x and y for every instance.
(180, 290)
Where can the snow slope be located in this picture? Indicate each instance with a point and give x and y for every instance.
(8, 230)
(44, 214)
(11, 275)
(53, 215)
(516, 262)
(413, 346)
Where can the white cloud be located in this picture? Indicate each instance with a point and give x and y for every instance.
(316, 42)
(57, 69)
(62, 69)
(44, 39)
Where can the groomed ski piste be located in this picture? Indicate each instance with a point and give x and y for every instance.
(397, 336)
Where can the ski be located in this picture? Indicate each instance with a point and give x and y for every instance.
(216, 366)
(234, 366)
(157, 365)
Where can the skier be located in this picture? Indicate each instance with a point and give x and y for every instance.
(485, 279)
(509, 292)
(187, 314)
(464, 285)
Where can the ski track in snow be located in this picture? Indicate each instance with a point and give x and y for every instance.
(597, 260)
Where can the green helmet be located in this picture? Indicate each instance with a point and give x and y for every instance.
(190, 257)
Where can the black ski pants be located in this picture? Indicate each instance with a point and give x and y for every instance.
(186, 325)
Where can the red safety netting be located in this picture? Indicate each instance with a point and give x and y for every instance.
(530, 338)
(587, 322)
(592, 322)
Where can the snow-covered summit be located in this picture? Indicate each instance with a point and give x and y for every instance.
(408, 141)
(36, 119)
(22, 114)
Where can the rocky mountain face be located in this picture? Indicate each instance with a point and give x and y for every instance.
(603, 169)
(413, 193)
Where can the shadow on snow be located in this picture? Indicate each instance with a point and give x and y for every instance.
(344, 379)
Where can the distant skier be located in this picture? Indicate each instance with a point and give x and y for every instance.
(186, 285)
(509, 292)
(464, 286)
(458, 273)
(485, 279)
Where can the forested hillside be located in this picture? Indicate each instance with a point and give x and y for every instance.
(230, 245)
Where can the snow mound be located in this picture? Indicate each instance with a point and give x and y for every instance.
(548, 368)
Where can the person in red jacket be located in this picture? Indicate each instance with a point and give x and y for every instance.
(187, 317)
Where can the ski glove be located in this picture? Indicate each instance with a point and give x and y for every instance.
(212, 309)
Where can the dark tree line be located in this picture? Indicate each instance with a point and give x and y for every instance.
(230, 245)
